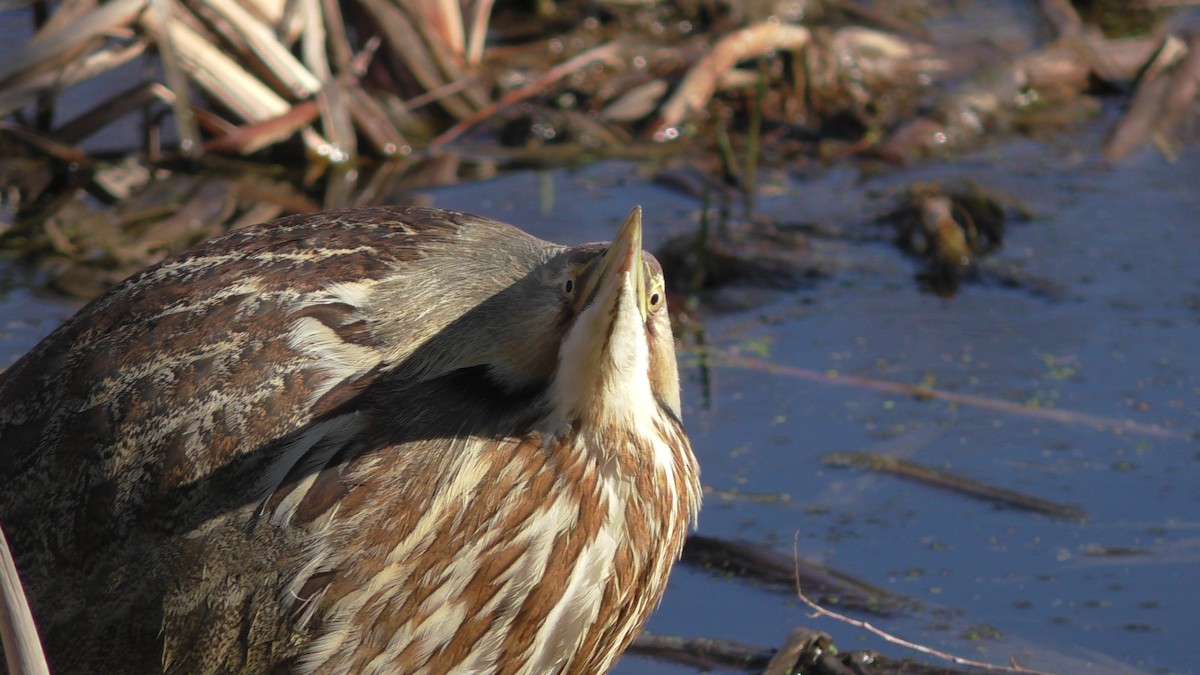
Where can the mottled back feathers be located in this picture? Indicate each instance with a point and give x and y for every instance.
(315, 445)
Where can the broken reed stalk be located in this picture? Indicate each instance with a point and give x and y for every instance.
(878, 632)
(698, 86)
(18, 634)
(533, 88)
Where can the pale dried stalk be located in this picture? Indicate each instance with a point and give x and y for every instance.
(340, 52)
(481, 12)
(228, 82)
(442, 36)
(443, 19)
(261, 41)
(223, 78)
(1149, 102)
(64, 13)
(26, 91)
(332, 100)
(1184, 86)
(1116, 60)
(372, 119)
(18, 634)
(408, 46)
(700, 82)
(271, 10)
(1062, 15)
(156, 20)
(48, 46)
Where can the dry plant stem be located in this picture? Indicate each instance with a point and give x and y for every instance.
(250, 138)
(1114, 425)
(409, 49)
(263, 46)
(1184, 85)
(216, 72)
(271, 11)
(222, 77)
(48, 19)
(697, 88)
(1160, 97)
(340, 51)
(704, 654)
(18, 634)
(24, 91)
(1118, 60)
(114, 108)
(435, 95)
(957, 660)
(1135, 127)
(158, 19)
(1062, 16)
(530, 90)
(373, 121)
(443, 18)
(440, 24)
(48, 145)
(47, 46)
(332, 98)
(882, 18)
(481, 12)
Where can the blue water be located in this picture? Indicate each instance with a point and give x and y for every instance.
(1116, 338)
(1110, 329)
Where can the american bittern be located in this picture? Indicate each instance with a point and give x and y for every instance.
(370, 440)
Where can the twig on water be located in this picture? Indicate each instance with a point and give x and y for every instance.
(946, 480)
(1000, 405)
(929, 651)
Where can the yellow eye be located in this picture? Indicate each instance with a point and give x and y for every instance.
(657, 297)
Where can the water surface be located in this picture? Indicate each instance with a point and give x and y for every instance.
(1108, 326)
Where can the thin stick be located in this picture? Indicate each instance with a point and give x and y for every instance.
(957, 660)
(528, 91)
(1049, 414)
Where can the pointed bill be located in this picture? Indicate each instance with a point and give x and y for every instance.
(624, 254)
(604, 360)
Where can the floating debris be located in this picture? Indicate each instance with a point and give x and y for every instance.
(773, 571)
(953, 482)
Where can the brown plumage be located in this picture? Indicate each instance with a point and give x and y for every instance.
(372, 440)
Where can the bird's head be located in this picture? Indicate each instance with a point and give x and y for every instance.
(587, 325)
(617, 355)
